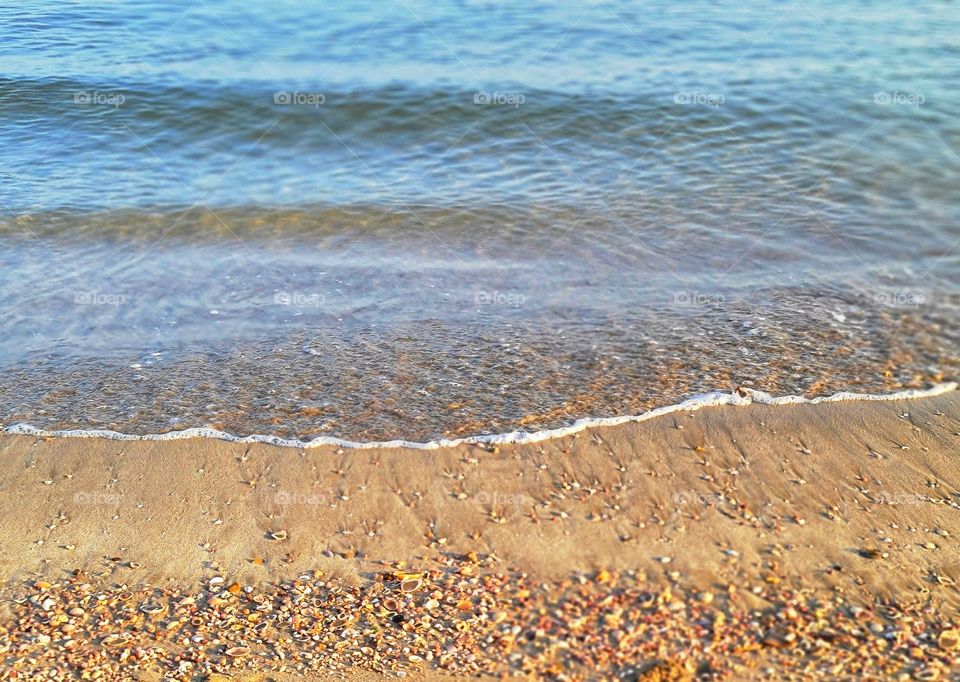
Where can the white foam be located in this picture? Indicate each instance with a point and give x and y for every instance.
(742, 396)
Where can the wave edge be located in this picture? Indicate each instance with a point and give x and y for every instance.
(740, 397)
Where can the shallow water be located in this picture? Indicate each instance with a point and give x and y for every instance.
(453, 218)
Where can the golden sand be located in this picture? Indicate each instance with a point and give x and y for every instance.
(763, 542)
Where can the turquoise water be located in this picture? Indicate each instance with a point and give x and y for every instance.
(412, 219)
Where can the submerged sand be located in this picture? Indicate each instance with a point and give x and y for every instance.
(771, 508)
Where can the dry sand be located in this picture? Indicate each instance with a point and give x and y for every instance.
(852, 501)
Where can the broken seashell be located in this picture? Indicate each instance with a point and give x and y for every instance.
(949, 639)
(115, 640)
(411, 585)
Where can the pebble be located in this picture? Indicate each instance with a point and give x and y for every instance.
(468, 624)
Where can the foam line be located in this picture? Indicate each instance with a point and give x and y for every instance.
(742, 396)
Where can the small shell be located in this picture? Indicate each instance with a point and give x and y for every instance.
(114, 640)
(411, 584)
(949, 639)
(152, 608)
(237, 651)
(277, 535)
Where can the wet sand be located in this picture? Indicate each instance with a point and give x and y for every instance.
(755, 541)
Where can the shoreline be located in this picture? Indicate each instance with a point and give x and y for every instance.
(824, 533)
(739, 397)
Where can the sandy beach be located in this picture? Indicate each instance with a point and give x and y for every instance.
(735, 542)
(571, 341)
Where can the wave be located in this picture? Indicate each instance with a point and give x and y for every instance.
(740, 397)
(213, 143)
(277, 113)
(200, 224)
